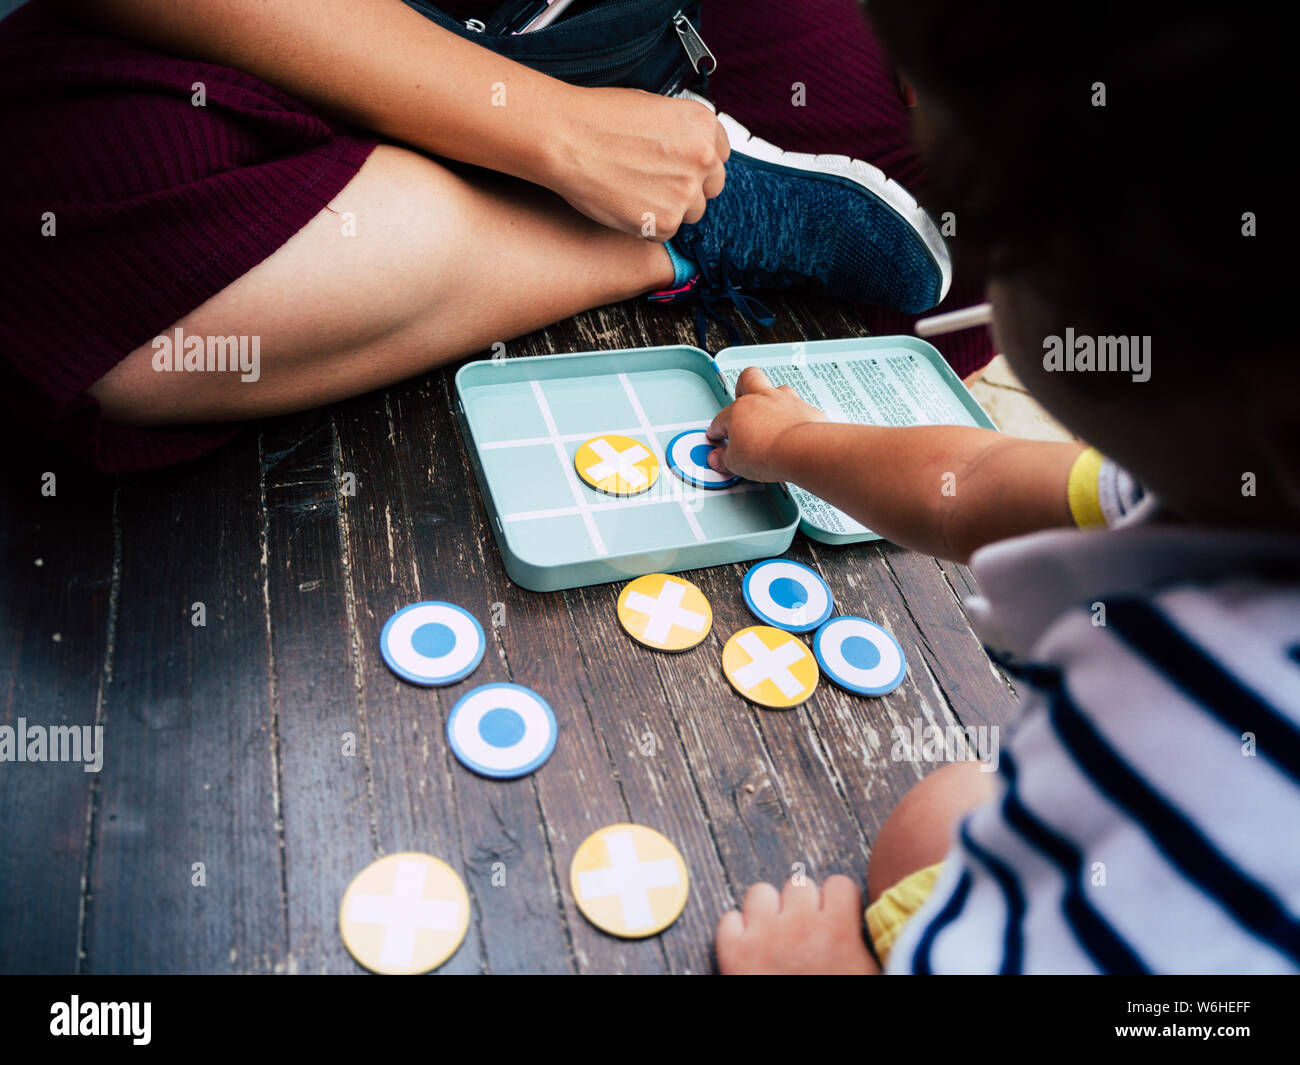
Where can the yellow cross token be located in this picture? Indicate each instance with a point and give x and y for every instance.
(617, 465)
(664, 612)
(404, 914)
(629, 881)
(770, 667)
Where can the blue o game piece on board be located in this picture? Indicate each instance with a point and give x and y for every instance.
(787, 595)
(502, 730)
(860, 656)
(688, 457)
(432, 643)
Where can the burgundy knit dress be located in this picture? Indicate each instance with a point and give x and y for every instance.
(123, 206)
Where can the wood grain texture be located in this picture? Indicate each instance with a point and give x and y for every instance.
(187, 717)
(318, 747)
(57, 591)
(274, 744)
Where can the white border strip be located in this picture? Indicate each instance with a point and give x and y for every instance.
(623, 504)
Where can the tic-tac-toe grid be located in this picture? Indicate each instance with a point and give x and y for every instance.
(527, 432)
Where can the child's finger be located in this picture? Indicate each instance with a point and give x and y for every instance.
(730, 926)
(752, 380)
(761, 902)
(840, 895)
(717, 429)
(804, 896)
(718, 460)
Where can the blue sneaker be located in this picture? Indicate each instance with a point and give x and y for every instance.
(822, 223)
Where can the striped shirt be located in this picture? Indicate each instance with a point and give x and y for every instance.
(1147, 817)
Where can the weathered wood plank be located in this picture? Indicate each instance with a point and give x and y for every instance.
(853, 731)
(824, 834)
(974, 687)
(636, 699)
(319, 735)
(187, 718)
(385, 527)
(56, 596)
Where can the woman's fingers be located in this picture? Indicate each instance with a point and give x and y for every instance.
(714, 183)
(696, 210)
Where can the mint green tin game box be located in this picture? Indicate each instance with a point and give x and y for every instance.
(523, 420)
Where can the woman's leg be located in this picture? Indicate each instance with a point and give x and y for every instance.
(412, 266)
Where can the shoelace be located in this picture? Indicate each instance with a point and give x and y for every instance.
(726, 281)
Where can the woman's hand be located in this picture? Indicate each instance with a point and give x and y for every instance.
(634, 161)
(752, 433)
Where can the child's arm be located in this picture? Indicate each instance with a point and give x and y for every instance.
(942, 489)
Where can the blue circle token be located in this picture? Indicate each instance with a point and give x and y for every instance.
(860, 656)
(787, 595)
(432, 643)
(688, 457)
(502, 730)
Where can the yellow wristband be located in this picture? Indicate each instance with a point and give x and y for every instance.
(1083, 490)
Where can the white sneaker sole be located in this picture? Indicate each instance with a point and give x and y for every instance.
(885, 189)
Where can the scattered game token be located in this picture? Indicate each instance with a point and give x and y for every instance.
(664, 612)
(770, 667)
(788, 595)
(629, 881)
(404, 914)
(432, 643)
(616, 465)
(688, 457)
(859, 655)
(502, 730)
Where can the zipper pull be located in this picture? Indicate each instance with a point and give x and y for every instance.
(475, 25)
(697, 51)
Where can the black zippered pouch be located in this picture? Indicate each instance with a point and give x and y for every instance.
(653, 45)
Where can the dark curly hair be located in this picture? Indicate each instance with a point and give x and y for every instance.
(1126, 218)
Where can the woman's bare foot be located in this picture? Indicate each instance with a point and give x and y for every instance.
(798, 931)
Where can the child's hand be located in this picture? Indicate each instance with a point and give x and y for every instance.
(801, 930)
(752, 433)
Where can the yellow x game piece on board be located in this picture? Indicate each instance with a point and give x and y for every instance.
(616, 465)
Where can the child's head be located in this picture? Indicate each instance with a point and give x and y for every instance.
(1117, 177)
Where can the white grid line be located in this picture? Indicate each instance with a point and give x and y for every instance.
(622, 504)
(582, 507)
(568, 438)
(674, 481)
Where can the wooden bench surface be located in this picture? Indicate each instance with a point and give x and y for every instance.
(225, 744)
